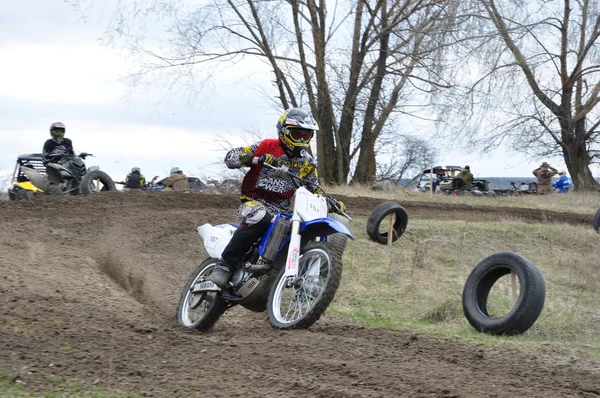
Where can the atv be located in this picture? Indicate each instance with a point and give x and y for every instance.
(21, 186)
(67, 177)
(445, 181)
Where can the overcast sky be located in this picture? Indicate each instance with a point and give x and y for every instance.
(54, 68)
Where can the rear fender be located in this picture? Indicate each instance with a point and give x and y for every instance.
(37, 179)
(57, 173)
(323, 227)
(27, 185)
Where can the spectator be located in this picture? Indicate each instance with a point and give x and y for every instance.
(563, 184)
(467, 177)
(177, 180)
(135, 179)
(544, 175)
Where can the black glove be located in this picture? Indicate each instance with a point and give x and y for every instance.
(336, 206)
(268, 159)
(246, 158)
(83, 155)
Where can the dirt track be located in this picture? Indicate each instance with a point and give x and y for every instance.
(89, 288)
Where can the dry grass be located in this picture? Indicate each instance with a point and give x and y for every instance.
(576, 202)
(417, 284)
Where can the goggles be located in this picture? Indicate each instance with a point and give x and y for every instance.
(301, 135)
(60, 132)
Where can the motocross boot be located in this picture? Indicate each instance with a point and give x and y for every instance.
(221, 274)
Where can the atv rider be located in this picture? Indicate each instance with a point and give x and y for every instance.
(135, 179)
(266, 191)
(57, 147)
(177, 180)
(467, 177)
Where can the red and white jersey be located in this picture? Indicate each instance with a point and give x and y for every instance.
(272, 187)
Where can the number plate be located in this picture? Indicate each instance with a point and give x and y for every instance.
(207, 286)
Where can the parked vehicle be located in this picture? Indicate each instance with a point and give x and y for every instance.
(445, 181)
(293, 271)
(21, 186)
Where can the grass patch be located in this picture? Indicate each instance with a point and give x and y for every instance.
(417, 284)
(575, 202)
(56, 388)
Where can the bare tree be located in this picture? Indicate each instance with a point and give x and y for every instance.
(354, 66)
(413, 154)
(531, 76)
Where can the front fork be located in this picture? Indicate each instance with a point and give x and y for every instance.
(293, 256)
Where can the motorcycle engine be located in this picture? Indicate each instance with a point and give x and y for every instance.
(239, 277)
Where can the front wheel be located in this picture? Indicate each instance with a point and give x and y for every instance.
(300, 303)
(200, 311)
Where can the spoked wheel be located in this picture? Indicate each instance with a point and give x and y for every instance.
(96, 181)
(200, 311)
(297, 304)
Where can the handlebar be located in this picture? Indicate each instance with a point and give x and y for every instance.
(298, 182)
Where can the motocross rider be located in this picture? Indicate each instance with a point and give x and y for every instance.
(266, 191)
(57, 147)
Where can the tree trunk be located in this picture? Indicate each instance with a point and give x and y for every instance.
(365, 166)
(577, 158)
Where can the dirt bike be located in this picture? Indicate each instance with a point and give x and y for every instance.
(293, 271)
(70, 176)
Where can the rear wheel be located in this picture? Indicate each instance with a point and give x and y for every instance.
(96, 181)
(299, 304)
(200, 311)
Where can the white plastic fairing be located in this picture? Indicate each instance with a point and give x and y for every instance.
(216, 238)
(310, 206)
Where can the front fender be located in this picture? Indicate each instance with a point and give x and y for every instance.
(323, 227)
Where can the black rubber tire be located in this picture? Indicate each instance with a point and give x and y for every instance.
(86, 182)
(339, 240)
(597, 221)
(380, 214)
(326, 296)
(479, 283)
(216, 308)
(54, 190)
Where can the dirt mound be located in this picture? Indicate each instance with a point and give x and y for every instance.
(90, 285)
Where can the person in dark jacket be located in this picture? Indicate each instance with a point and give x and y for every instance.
(135, 179)
(57, 147)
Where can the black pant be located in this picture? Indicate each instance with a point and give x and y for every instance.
(243, 239)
